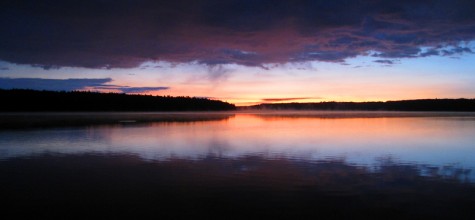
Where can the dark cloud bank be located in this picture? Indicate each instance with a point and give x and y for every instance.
(70, 85)
(119, 33)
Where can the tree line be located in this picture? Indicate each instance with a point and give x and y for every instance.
(401, 105)
(15, 100)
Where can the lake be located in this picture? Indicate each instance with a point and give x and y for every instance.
(240, 164)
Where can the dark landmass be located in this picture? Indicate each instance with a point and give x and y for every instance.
(117, 185)
(20, 100)
(402, 105)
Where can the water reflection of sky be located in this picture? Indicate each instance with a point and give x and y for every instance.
(438, 141)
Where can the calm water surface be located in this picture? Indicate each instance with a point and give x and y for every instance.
(338, 164)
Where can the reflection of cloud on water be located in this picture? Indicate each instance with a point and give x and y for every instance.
(360, 141)
(447, 171)
(221, 152)
(331, 173)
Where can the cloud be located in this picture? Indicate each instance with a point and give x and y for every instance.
(129, 89)
(218, 72)
(287, 99)
(431, 52)
(455, 50)
(388, 62)
(71, 84)
(122, 33)
(51, 84)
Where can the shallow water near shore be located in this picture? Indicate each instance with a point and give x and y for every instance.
(332, 164)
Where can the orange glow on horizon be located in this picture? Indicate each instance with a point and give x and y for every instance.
(248, 100)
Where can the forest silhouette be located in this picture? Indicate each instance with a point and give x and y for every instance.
(401, 105)
(21, 100)
(24, 100)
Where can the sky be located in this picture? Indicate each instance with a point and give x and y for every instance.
(242, 51)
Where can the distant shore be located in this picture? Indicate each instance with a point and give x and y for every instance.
(21, 100)
(455, 105)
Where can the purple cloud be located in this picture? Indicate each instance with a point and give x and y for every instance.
(51, 84)
(71, 84)
(121, 33)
